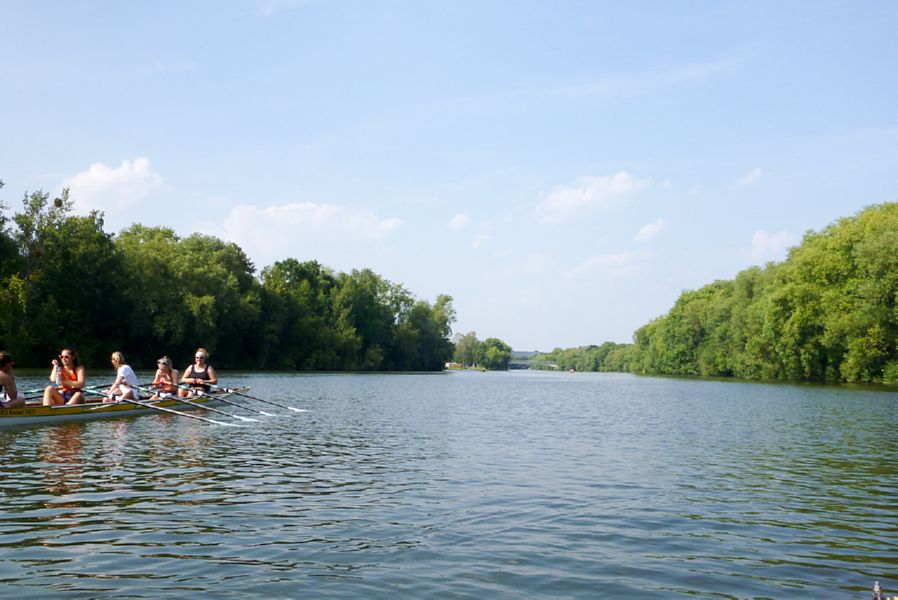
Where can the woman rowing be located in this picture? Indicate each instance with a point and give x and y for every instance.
(199, 376)
(125, 385)
(165, 383)
(69, 379)
(12, 398)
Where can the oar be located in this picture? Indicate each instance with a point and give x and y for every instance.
(34, 391)
(233, 391)
(243, 406)
(97, 392)
(224, 400)
(163, 409)
(179, 413)
(212, 408)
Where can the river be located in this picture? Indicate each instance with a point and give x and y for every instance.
(469, 485)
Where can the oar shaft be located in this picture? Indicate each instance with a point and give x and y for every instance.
(239, 404)
(233, 391)
(212, 408)
(226, 401)
(164, 409)
(179, 413)
(34, 390)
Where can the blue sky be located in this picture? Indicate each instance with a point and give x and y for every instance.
(564, 170)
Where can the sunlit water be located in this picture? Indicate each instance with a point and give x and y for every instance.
(471, 485)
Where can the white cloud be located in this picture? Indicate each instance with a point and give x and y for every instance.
(586, 192)
(302, 230)
(609, 265)
(649, 230)
(770, 246)
(459, 222)
(751, 177)
(113, 190)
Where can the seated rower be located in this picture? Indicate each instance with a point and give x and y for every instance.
(198, 376)
(11, 398)
(165, 383)
(125, 385)
(69, 379)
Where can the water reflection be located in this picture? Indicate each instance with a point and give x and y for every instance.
(61, 451)
(506, 485)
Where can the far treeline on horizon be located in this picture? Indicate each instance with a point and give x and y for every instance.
(829, 312)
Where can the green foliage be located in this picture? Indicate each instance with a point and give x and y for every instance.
(828, 313)
(495, 354)
(149, 292)
(465, 348)
(492, 353)
(584, 358)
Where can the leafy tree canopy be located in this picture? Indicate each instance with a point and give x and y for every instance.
(148, 292)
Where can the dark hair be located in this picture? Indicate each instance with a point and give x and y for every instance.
(6, 358)
(76, 362)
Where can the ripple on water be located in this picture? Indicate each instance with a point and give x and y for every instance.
(467, 485)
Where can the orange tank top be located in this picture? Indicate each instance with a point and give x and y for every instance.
(66, 377)
(165, 383)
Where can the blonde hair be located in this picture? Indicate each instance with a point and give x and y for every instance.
(204, 351)
(118, 358)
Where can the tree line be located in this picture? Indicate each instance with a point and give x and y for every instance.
(147, 291)
(829, 312)
(492, 353)
(584, 358)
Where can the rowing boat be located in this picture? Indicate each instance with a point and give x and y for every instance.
(33, 414)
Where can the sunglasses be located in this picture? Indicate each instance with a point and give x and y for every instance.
(162, 363)
(199, 357)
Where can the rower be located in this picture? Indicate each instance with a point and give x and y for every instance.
(199, 376)
(165, 383)
(125, 385)
(69, 379)
(12, 398)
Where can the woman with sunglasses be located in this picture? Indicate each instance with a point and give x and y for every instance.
(69, 379)
(166, 380)
(198, 375)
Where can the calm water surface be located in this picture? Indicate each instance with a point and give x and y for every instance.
(466, 485)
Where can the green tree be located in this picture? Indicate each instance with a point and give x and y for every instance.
(67, 289)
(496, 354)
(465, 347)
(297, 328)
(828, 312)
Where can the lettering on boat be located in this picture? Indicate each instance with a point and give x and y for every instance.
(17, 411)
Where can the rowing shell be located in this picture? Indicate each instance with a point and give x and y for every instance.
(37, 414)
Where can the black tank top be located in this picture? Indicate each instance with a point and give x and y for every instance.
(204, 375)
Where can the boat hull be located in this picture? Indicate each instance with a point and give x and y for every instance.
(38, 414)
